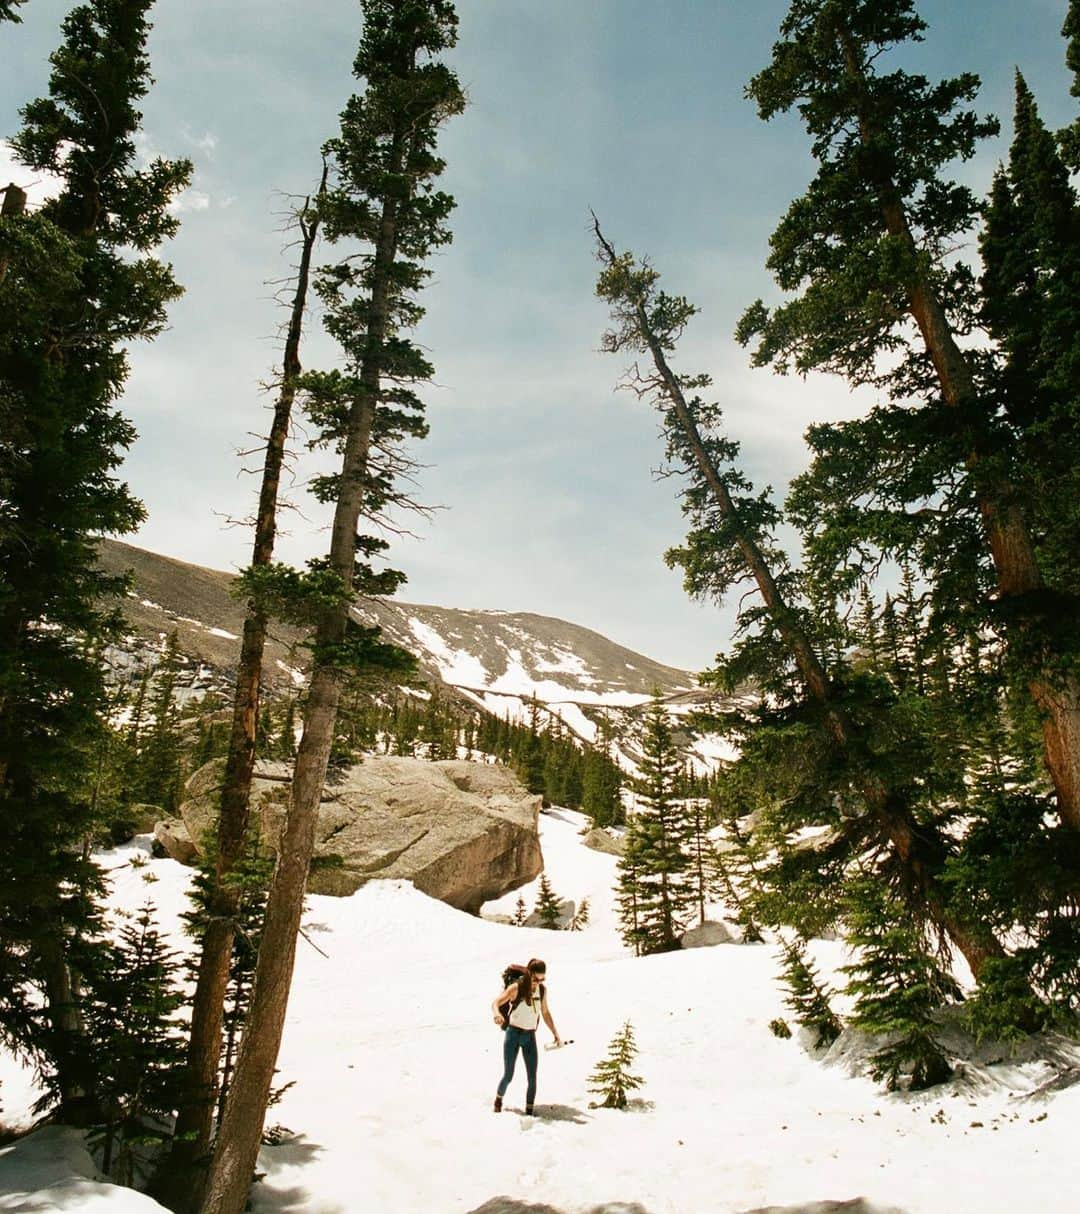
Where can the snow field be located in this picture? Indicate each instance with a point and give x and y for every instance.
(395, 1059)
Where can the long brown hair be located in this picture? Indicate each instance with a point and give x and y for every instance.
(536, 968)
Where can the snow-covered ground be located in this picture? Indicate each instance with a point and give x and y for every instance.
(395, 1060)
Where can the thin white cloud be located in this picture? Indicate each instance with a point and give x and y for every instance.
(190, 200)
(38, 186)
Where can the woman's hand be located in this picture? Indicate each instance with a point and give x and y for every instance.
(498, 1019)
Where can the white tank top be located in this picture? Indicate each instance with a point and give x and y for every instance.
(525, 1015)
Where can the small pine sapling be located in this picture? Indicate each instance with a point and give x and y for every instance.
(897, 986)
(779, 1027)
(807, 996)
(520, 913)
(547, 906)
(581, 917)
(611, 1077)
(137, 1043)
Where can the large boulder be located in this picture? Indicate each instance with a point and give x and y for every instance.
(171, 839)
(600, 840)
(462, 832)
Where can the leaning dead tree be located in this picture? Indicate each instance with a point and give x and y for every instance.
(195, 1121)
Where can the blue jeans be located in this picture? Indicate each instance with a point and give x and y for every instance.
(514, 1040)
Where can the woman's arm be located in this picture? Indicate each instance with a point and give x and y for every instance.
(507, 996)
(548, 1020)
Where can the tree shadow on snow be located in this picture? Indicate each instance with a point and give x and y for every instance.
(561, 1112)
(294, 1152)
(511, 1205)
(290, 1201)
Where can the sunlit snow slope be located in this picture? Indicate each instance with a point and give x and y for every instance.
(395, 1061)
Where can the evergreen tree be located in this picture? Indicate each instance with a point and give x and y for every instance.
(581, 917)
(548, 908)
(733, 872)
(161, 747)
(80, 283)
(657, 847)
(601, 782)
(1029, 291)
(520, 913)
(383, 169)
(611, 1077)
(248, 882)
(829, 743)
(807, 996)
(878, 297)
(137, 1043)
(1070, 136)
(529, 758)
(627, 893)
(702, 866)
(897, 988)
(193, 1126)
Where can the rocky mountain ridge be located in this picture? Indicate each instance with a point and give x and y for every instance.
(498, 661)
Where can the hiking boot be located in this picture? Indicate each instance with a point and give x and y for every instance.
(498, 1104)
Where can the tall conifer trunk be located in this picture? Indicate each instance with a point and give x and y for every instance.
(241, 1129)
(384, 160)
(920, 848)
(194, 1125)
(1055, 692)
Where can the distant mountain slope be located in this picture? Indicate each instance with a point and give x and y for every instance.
(495, 658)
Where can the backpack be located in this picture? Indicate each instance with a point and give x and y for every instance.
(511, 975)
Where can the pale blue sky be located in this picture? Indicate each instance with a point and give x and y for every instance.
(630, 107)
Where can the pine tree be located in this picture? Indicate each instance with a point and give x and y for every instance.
(80, 283)
(520, 912)
(382, 193)
(656, 858)
(878, 297)
(1069, 138)
(601, 781)
(852, 753)
(581, 917)
(611, 1077)
(807, 996)
(261, 580)
(137, 1042)
(627, 892)
(734, 878)
(529, 760)
(699, 853)
(897, 988)
(160, 750)
(248, 882)
(548, 908)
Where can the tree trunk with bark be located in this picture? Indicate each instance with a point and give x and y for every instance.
(920, 848)
(181, 1181)
(1056, 693)
(238, 1139)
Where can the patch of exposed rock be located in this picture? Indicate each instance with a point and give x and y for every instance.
(462, 832)
(600, 840)
(171, 839)
(707, 934)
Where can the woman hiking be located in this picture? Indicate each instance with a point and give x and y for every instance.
(527, 998)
